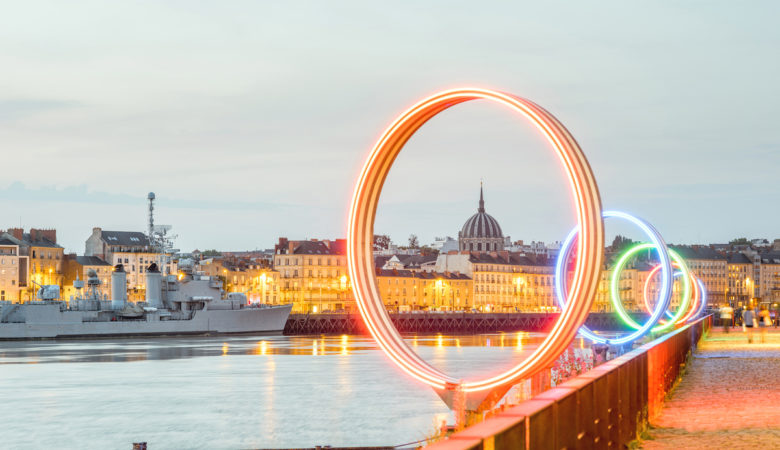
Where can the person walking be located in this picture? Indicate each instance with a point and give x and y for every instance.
(764, 322)
(726, 313)
(748, 319)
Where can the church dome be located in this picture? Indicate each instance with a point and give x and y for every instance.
(481, 225)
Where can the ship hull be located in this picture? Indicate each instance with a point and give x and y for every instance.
(55, 324)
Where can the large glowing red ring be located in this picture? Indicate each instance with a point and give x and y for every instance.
(361, 231)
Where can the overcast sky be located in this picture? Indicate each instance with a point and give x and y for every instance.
(250, 120)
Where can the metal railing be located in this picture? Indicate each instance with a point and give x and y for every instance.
(607, 407)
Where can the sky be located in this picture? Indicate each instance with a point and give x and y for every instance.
(251, 120)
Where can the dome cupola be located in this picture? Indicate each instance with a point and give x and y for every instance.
(481, 232)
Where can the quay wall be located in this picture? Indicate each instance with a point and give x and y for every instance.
(607, 407)
(464, 323)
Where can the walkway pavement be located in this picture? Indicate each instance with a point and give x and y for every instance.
(729, 398)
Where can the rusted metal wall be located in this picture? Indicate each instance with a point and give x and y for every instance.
(605, 408)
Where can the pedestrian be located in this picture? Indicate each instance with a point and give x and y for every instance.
(726, 313)
(748, 319)
(764, 322)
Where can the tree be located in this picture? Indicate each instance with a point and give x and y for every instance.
(620, 242)
(382, 242)
(210, 253)
(428, 251)
(739, 241)
(413, 241)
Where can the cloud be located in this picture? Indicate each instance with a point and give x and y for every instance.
(13, 109)
(18, 192)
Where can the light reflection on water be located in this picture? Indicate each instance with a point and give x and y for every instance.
(233, 392)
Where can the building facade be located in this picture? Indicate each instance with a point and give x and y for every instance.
(406, 290)
(313, 275)
(13, 269)
(133, 251)
(78, 267)
(259, 282)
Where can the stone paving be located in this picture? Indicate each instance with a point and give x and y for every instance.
(729, 398)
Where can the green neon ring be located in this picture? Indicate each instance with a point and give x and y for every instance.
(617, 302)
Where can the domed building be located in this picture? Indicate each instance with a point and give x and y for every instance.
(481, 232)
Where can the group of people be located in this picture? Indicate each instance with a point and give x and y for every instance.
(749, 318)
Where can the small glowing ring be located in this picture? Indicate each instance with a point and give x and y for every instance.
(702, 300)
(617, 302)
(646, 291)
(665, 294)
(368, 188)
(693, 307)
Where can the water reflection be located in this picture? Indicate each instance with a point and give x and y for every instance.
(240, 392)
(126, 350)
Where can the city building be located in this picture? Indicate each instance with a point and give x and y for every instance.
(406, 290)
(504, 281)
(445, 244)
(769, 278)
(710, 266)
(313, 275)
(741, 284)
(259, 282)
(133, 251)
(78, 267)
(414, 263)
(13, 269)
(44, 258)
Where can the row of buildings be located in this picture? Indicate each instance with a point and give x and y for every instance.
(483, 270)
(34, 258)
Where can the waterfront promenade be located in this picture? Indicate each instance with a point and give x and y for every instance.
(729, 397)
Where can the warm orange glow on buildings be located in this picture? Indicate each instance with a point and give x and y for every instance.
(405, 291)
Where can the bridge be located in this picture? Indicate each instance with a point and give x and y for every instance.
(453, 322)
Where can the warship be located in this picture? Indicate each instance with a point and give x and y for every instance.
(187, 303)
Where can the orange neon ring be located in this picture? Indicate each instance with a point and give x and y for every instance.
(361, 231)
(694, 306)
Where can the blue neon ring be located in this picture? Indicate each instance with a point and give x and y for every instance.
(665, 294)
(703, 304)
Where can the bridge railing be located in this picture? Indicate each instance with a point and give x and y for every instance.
(606, 407)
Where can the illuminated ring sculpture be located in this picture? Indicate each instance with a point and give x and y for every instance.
(617, 302)
(692, 306)
(665, 294)
(361, 232)
(702, 300)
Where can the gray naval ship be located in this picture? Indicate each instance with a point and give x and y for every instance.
(188, 304)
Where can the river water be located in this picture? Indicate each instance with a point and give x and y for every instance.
(239, 392)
